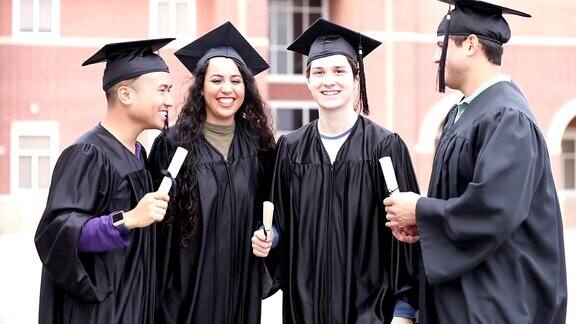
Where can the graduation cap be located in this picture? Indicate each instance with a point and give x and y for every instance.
(476, 17)
(128, 60)
(324, 38)
(224, 41)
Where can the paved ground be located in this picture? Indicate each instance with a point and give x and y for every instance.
(20, 281)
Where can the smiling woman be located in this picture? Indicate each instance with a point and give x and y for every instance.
(223, 91)
(207, 272)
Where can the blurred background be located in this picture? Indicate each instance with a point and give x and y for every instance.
(47, 99)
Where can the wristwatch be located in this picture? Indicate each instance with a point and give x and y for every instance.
(118, 221)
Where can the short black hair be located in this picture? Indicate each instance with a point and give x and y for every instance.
(111, 93)
(492, 51)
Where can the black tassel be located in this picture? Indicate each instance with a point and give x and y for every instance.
(362, 76)
(167, 149)
(442, 63)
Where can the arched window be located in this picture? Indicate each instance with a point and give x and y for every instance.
(569, 157)
(431, 127)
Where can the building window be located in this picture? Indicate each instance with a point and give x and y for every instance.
(171, 18)
(34, 148)
(290, 116)
(288, 19)
(35, 17)
(569, 159)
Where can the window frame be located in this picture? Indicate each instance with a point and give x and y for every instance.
(36, 33)
(304, 105)
(32, 128)
(153, 18)
(290, 8)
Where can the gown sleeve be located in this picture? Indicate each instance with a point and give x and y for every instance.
(167, 246)
(83, 183)
(159, 158)
(458, 234)
(405, 257)
(280, 196)
(266, 160)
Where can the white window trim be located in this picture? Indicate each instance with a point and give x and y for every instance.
(324, 12)
(31, 128)
(191, 14)
(304, 105)
(35, 34)
(563, 196)
(430, 125)
(559, 125)
(287, 78)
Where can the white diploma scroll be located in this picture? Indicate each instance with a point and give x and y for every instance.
(267, 213)
(173, 169)
(389, 174)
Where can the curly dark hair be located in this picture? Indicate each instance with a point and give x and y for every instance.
(253, 116)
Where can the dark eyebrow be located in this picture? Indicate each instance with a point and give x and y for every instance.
(221, 76)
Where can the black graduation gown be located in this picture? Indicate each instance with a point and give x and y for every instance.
(95, 176)
(339, 263)
(216, 278)
(491, 233)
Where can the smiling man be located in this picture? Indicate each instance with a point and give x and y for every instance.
(339, 263)
(96, 236)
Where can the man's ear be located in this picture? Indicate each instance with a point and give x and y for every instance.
(126, 95)
(473, 44)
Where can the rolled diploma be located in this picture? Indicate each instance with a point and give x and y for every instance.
(173, 169)
(267, 213)
(389, 174)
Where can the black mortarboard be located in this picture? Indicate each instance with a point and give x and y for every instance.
(224, 41)
(324, 38)
(469, 17)
(129, 59)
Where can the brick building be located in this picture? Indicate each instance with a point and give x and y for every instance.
(47, 99)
